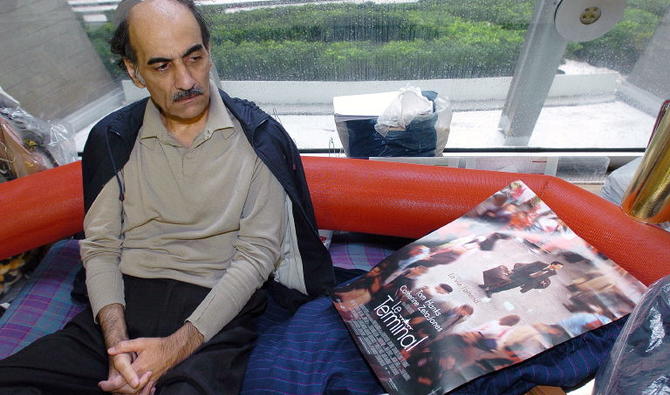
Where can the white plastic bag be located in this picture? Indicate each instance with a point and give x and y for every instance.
(409, 105)
(56, 140)
(443, 124)
(638, 362)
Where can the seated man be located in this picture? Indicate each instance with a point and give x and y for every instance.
(192, 200)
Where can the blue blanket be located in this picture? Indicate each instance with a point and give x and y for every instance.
(312, 352)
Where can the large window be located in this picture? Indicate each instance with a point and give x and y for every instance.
(292, 57)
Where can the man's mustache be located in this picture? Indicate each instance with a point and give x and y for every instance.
(195, 91)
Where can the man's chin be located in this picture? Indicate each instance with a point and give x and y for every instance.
(190, 109)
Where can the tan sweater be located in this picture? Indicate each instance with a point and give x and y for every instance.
(211, 215)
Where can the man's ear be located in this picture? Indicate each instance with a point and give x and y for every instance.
(134, 74)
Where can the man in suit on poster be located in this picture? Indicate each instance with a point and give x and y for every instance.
(527, 276)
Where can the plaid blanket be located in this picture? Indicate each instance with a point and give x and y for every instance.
(44, 305)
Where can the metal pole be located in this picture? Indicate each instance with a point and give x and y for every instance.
(540, 57)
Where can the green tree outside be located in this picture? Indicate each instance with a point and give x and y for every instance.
(425, 40)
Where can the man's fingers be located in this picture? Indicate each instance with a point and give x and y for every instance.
(126, 389)
(149, 389)
(112, 384)
(144, 381)
(126, 346)
(122, 365)
(117, 384)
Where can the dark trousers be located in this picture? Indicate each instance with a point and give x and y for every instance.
(74, 359)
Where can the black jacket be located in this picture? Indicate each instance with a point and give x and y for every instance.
(112, 139)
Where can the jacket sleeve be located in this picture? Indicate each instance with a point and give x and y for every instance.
(94, 160)
(100, 249)
(275, 147)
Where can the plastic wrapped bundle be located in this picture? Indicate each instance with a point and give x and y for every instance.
(29, 144)
(638, 362)
(408, 122)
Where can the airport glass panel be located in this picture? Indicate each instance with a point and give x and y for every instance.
(293, 57)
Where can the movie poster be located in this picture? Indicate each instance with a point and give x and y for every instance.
(501, 284)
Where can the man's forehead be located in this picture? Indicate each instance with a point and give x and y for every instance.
(149, 10)
(128, 9)
(163, 28)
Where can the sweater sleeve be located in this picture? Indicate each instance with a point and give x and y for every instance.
(101, 249)
(257, 250)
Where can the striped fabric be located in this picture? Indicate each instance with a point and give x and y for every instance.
(44, 305)
(310, 352)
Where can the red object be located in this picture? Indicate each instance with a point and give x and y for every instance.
(412, 200)
(365, 196)
(40, 208)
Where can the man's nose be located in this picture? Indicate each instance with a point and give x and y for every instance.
(183, 79)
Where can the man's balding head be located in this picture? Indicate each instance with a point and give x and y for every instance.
(121, 44)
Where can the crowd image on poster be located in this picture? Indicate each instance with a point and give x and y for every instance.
(499, 285)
